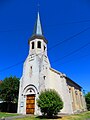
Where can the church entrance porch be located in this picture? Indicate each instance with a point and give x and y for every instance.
(30, 104)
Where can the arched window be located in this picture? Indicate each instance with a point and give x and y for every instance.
(32, 45)
(44, 48)
(39, 44)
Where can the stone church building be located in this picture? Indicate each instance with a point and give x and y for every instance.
(38, 75)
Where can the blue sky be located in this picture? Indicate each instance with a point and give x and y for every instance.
(67, 21)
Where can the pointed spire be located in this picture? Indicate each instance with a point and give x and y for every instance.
(38, 32)
(38, 27)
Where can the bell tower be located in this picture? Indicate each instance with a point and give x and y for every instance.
(37, 42)
(35, 71)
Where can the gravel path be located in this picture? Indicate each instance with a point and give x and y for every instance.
(11, 118)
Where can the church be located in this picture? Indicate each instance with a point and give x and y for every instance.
(38, 75)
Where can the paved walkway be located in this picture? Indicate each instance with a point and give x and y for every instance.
(22, 116)
(13, 117)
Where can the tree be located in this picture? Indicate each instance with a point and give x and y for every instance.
(87, 97)
(50, 102)
(9, 89)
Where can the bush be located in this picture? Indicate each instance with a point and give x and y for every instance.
(87, 97)
(50, 102)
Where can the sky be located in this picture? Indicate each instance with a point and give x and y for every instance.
(66, 26)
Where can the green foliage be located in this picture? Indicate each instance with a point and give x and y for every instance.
(50, 102)
(9, 89)
(87, 97)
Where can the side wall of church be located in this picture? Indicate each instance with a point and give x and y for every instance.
(78, 100)
(57, 81)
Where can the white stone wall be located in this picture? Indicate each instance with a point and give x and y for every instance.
(57, 81)
(34, 70)
(29, 80)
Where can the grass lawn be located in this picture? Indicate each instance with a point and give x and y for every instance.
(83, 116)
(2, 114)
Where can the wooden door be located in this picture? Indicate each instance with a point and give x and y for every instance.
(30, 104)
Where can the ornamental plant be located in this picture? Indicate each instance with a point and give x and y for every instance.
(50, 102)
(87, 97)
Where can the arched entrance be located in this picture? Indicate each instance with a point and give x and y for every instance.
(30, 92)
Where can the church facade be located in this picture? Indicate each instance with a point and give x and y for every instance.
(38, 76)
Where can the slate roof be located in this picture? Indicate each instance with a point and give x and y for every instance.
(38, 32)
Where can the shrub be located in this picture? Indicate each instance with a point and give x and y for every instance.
(87, 98)
(50, 102)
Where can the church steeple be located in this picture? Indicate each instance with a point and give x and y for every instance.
(38, 32)
(38, 26)
(37, 42)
